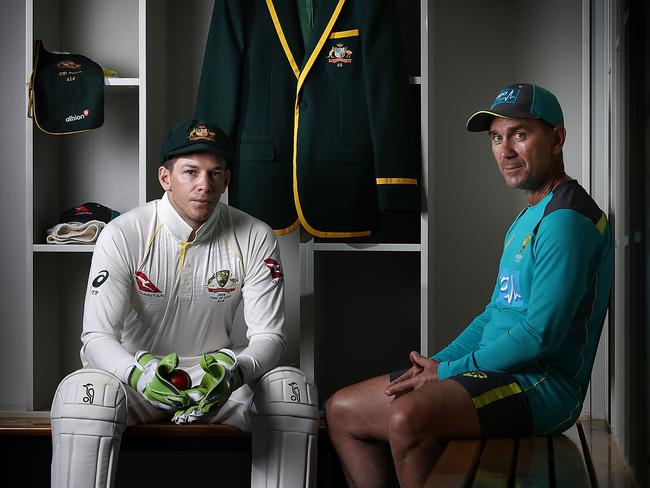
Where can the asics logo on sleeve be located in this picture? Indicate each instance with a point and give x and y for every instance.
(101, 277)
(145, 284)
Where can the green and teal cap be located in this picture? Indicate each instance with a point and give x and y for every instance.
(519, 101)
(193, 136)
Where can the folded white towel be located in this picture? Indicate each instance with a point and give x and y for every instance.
(75, 232)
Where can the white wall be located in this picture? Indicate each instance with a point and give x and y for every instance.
(13, 258)
(479, 47)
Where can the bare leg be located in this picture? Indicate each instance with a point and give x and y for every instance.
(361, 418)
(357, 423)
(421, 420)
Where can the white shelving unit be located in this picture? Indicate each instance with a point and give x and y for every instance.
(128, 82)
(115, 166)
(105, 165)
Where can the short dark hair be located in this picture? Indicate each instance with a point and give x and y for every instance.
(169, 164)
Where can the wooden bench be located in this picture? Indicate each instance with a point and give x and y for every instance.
(584, 456)
(26, 447)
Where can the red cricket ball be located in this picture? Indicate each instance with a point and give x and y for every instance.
(180, 379)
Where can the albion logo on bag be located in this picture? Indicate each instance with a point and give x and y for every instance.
(74, 118)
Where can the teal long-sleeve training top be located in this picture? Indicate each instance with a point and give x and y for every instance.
(550, 298)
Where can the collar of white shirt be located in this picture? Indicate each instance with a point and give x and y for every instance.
(180, 229)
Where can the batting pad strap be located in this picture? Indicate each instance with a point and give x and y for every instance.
(286, 391)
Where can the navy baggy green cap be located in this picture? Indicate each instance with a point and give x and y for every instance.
(519, 101)
(193, 136)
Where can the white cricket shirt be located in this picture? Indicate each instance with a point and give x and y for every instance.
(149, 289)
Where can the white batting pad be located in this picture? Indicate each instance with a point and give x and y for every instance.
(284, 424)
(88, 419)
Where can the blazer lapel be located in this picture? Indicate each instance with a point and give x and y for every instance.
(287, 27)
(325, 16)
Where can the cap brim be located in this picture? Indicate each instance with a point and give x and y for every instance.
(481, 120)
(201, 147)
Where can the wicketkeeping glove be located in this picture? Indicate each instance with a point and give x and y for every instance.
(149, 377)
(221, 378)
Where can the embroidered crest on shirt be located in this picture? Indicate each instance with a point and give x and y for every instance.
(221, 278)
(339, 55)
(524, 244)
(145, 285)
(220, 285)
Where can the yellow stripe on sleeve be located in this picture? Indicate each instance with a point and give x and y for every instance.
(601, 224)
(397, 181)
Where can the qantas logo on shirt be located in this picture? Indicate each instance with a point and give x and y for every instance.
(274, 268)
(145, 284)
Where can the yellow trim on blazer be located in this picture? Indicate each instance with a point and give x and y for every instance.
(347, 33)
(283, 39)
(397, 181)
(301, 75)
(301, 80)
(288, 230)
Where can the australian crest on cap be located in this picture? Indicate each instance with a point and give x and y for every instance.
(201, 133)
(67, 64)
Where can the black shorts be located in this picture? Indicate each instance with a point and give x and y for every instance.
(502, 405)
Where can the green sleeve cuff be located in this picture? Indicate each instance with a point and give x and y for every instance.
(398, 196)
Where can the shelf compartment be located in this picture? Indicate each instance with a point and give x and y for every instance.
(84, 26)
(366, 315)
(96, 166)
(59, 292)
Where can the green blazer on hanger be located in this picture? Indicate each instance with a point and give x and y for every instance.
(322, 129)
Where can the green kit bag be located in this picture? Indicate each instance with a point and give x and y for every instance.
(66, 92)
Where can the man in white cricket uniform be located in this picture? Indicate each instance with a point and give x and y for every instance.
(167, 277)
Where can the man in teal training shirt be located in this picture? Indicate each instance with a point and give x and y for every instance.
(522, 366)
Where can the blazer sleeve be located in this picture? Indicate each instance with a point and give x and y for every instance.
(391, 120)
(218, 94)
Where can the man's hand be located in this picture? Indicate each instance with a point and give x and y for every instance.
(149, 377)
(221, 378)
(424, 369)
